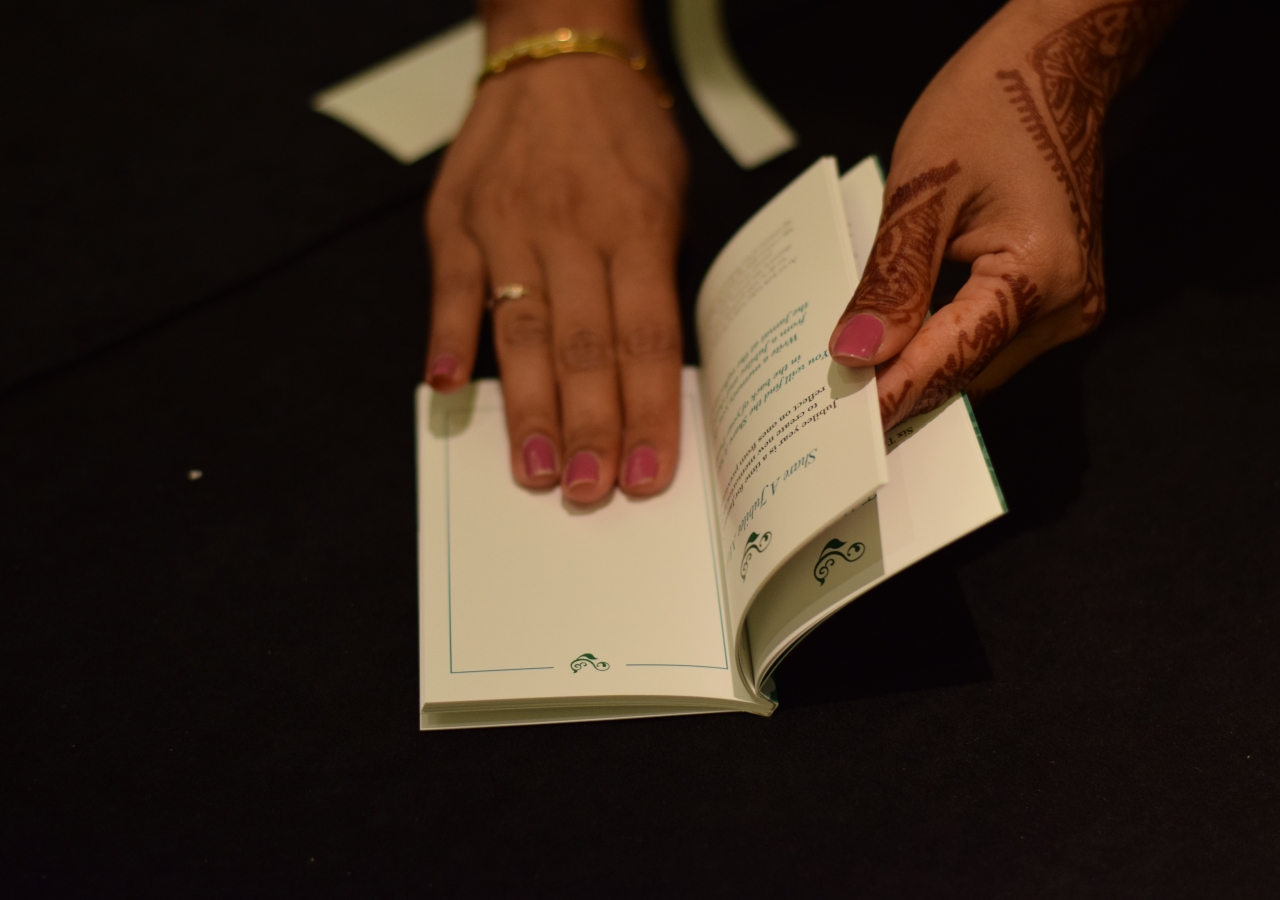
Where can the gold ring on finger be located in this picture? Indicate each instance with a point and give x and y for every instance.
(513, 291)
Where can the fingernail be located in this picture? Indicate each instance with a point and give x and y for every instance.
(443, 368)
(539, 456)
(584, 468)
(860, 337)
(642, 466)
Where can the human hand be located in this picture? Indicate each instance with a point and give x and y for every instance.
(568, 177)
(998, 165)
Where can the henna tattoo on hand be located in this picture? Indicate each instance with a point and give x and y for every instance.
(936, 177)
(1083, 64)
(890, 404)
(993, 331)
(1080, 66)
(899, 274)
(973, 352)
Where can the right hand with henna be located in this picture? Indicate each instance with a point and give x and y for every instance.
(568, 178)
(998, 165)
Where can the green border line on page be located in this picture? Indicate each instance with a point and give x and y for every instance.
(991, 470)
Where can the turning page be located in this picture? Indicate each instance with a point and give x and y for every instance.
(794, 439)
(941, 487)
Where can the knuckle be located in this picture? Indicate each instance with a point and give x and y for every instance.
(585, 350)
(1063, 263)
(1071, 269)
(452, 282)
(593, 432)
(558, 200)
(648, 420)
(523, 329)
(498, 198)
(646, 210)
(1061, 267)
(648, 341)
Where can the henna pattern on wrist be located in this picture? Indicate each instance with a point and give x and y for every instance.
(899, 273)
(1080, 66)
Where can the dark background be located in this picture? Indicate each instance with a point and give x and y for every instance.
(210, 686)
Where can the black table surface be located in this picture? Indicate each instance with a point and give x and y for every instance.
(209, 686)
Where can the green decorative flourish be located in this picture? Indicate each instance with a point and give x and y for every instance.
(588, 659)
(757, 542)
(834, 550)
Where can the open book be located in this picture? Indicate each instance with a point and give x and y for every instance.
(789, 502)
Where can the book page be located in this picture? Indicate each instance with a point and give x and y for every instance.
(527, 600)
(794, 439)
(862, 190)
(941, 487)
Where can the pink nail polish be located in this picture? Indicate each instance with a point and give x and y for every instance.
(860, 338)
(539, 456)
(642, 466)
(442, 370)
(584, 468)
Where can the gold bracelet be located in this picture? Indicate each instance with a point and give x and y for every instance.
(566, 40)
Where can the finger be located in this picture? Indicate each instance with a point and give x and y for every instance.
(893, 296)
(647, 336)
(1045, 333)
(457, 298)
(956, 344)
(585, 366)
(522, 339)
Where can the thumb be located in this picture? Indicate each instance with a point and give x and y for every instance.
(893, 295)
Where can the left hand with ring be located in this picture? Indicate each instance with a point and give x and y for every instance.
(561, 201)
